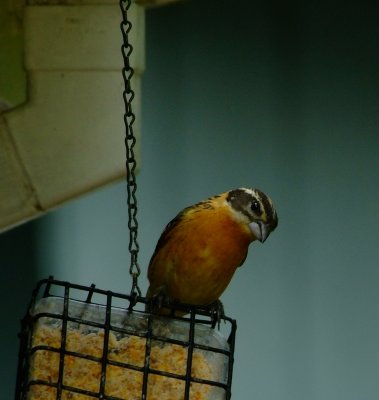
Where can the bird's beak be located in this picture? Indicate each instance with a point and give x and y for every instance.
(260, 230)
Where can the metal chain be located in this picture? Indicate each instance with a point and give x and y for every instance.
(130, 141)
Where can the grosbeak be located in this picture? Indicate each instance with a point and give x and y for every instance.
(200, 249)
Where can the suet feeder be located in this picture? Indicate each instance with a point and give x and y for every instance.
(84, 343)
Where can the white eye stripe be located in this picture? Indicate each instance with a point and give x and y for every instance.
(238, 215)
(251, 192)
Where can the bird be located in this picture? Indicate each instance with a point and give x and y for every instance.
(200, 249)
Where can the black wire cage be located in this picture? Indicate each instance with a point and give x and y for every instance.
(80, 342)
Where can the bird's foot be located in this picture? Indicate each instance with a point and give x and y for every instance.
(156, 302)
(217, 313)
(161, 304)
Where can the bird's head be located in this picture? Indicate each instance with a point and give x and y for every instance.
(255, 209)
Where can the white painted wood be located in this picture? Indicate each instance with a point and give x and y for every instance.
(69, 137)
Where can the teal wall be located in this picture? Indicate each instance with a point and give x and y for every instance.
(18, 266)
(282, 96)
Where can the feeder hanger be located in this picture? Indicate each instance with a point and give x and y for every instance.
(130, 141)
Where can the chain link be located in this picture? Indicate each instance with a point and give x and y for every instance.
(130, 141)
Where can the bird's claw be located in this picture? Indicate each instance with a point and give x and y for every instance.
(155, 302)
(217, 313)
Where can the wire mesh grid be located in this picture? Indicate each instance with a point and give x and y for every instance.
(81, 343)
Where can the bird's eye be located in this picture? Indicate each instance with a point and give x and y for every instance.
(255, 206)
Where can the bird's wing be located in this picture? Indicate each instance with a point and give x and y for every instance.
(179, 219)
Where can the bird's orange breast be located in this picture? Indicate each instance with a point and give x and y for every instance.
(200, 255)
